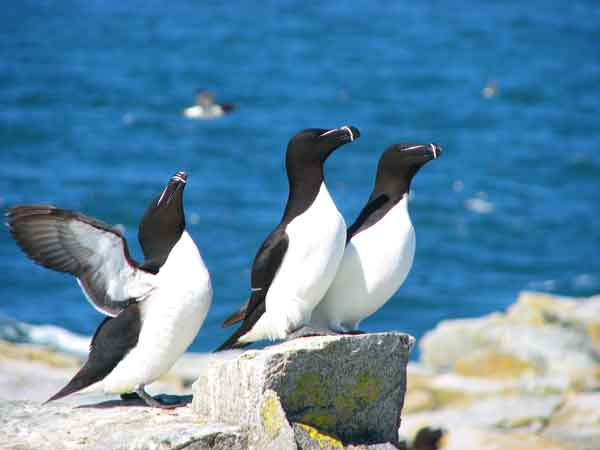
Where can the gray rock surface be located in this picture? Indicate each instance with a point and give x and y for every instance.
(577, 421)
(110, 425)
(349, 387)
(541, 340)
(495, 412)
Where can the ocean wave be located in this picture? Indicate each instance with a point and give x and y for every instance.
(51, 336)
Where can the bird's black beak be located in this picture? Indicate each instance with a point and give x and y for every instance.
(176, 184)
(345, 134)
(424, 152)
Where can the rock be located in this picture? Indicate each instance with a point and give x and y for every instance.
(37, 353)
(34, 372)
(309, 438)
(539, 308)
(496, 412)
(27, 425)
(544, 343)
(577, 421)
(348, 387)
(461, 438)
(499, 381)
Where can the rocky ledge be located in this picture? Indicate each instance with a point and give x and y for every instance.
(319, 392)
(344, 389)
(526, 378)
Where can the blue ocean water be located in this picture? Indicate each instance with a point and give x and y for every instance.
(90, 119)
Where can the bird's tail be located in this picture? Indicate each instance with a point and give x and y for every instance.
(250, 319)
(237, 316)
(81, 380)
(232, 341)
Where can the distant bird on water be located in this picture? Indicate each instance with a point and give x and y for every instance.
(298, 260)
(154, 309)
(206, 108)
(491, 89)
(380, 244)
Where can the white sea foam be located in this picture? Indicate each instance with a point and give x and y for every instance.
(480, 204)
(51, 336)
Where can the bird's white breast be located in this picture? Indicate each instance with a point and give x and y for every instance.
(316, 245)
(375, 264)
(203, 112)
(171, 318)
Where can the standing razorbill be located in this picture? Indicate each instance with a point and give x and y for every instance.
(380, 244)
(296, 263)
(155, 309)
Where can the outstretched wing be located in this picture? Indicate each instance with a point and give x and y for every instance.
(89, 249)
(266, 264)
(374, 210)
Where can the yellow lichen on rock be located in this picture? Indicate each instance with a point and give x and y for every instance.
(271, 414)
(309, 391)
(38, 354)
(356, 396)
(493, 364)
(323, 419)
(593, 330)
(325, 441)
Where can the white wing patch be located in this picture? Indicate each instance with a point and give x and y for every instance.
(87, 248)
(109, 277)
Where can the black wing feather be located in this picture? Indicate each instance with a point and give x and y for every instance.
(113, 339)
(266, 264)
(374, 210)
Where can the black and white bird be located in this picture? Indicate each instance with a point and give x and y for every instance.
(154, 309)
(380, 244)
(298, 260)
(206, 108)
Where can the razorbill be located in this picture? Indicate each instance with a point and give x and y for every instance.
(380, 244)
(206, 108)
(154, 309)
(297, 261)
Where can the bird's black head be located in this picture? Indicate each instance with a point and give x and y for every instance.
(399, 164)
(163, 223)
(311, 147)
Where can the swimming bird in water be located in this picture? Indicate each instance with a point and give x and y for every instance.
(206, 108)
(154, 308)
(298, 260)
(380, 246)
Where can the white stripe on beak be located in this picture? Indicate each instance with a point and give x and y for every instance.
(347, 128)
(433, 150)
(178, 178)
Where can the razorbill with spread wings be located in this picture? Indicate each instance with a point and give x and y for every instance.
(154, 309)
(380, 244)
(296, 263)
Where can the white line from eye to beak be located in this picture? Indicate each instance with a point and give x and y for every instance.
(433, 150)
(161, 197)
(328, 132)
(410, 148)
